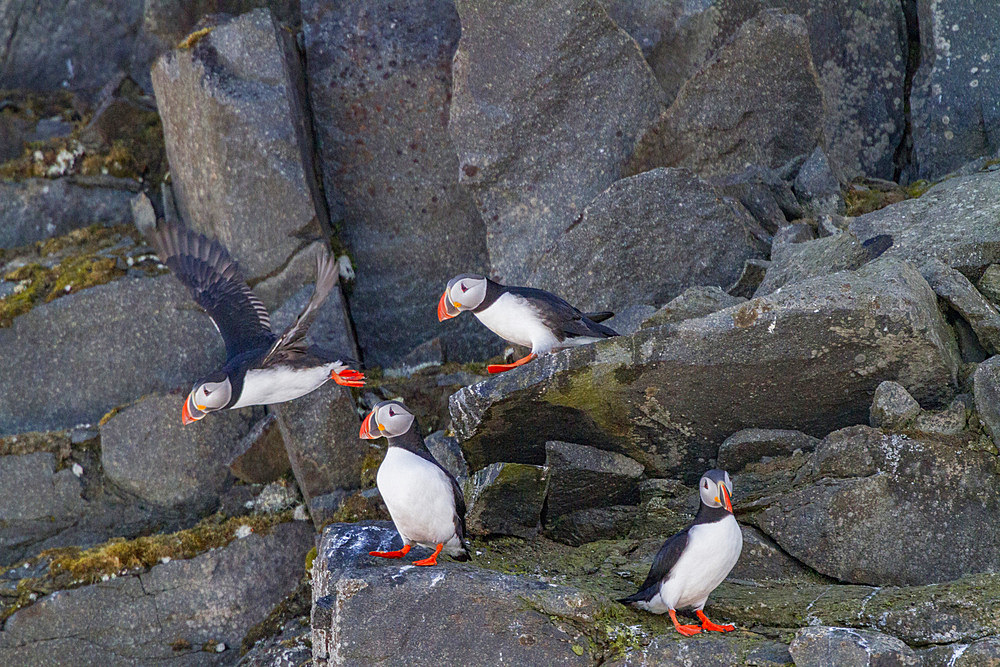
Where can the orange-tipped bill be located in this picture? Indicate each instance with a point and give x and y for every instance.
(727, 502)
(190, 412)
(366, 427)
(446, 310)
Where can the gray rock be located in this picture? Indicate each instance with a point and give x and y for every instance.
(448, 453)
(797, 232)
(950, 421)
(36, 209)
(817, 187)
(147, 451)
(506, 499)
(534, 83)
(694, 302)
(725, 651)
(807, 358)
(238, 142)
(629, 319)
(358, 601)
(139, 618)
(749, 281)
(593, 524)
(767, 197)
(149, 337)
(380, 91)
(986, 383)
(582, 477)
(981, 653)
(763, 560)
(320, 431)
(922, 495)
(172, 20)
(753, 444)
(859, 53)
(674, 231)
(795, 262)
(832, 647)
(989, 284)
(724, 117)
(260, 457)
(955, 115)
(893, 408)
(956, 290)
(955, 221)
(33, 490)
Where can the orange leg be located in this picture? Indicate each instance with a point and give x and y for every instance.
(714, 627)
(432, 559)
(500, 368)
(686, 630)
(348, 378)
(391, 554)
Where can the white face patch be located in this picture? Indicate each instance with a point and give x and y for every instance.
(711, 493)
(213, 395)
(393, 419)
(468, 292)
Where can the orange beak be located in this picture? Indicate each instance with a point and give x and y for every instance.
(727, 502)
(185, 415)
(366, 433)
(444, 311)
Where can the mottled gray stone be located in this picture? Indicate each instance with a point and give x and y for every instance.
(506, 499)
(956, 290)
(986, 383)
(692, 303)
(31, 489)
(725, 651)
(989, 284)
(172, 20)
(753, 444)
(629, 319)
(260, 456)
(582, 477)
(823, 646)
(767, 197)
(448, 453)
(817, 187)
(796, 262)
(893, 408)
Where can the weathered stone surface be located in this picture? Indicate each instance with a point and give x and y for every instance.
(707, 652)
(767, 197)
(832, 647)
(989, 284)
(673, 231)
(694, 302)
(506, 499)
(924, 496)
(795, 262)
(593, 524)
(147, 451)
(260, 457)
(753, 444)
(582, 477)
(238, 141)
(762, 560)
(629, 319)
(39, 208)
(859, 53)
(893, 408)
(32, 489)
(959, 293)
(955, 221)
(320, 431)
(448, 453)
(141, 618)
(380, 92)
(758, 101)
(950, 421)
(808, 357)
(817, 187)
(489, 614)
(121, 340)
(955, 113)
(533, 83)
(172, 20)
(986, 383)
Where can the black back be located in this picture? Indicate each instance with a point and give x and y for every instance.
(556, 313)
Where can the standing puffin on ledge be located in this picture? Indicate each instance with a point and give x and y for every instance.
(260, 368)
(692, 563)
(424, 500)
(525, 316)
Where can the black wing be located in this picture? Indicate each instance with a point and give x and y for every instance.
(560, 316)
(599, 317)
(292, 341)
(217, 285)
(665, 560)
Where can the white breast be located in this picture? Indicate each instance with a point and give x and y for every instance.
(419, 497)
(514, 319)
(711, 553)
(277, 385)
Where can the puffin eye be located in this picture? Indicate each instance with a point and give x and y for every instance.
(464, 288)
(391, 413)
(206, 391)
(706, 485)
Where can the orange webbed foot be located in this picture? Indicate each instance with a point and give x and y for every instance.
(348, 378)
(709, 626)
(432, 559)
(686, 630)
(500, 368)
(391, 554)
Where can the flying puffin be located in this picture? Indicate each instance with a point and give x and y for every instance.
(522, 315)
(692, 563)
(260, 368)
(424, 500)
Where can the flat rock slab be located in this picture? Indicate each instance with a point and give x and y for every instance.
(959, 293)
(139, 618)
(100, 348)
(582, 477)
(359, 602)
(724, 651)
(533, 84)
(753, 444)
(806, 358)
(832, 647)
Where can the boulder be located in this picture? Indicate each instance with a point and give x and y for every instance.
(172, 20)
(862, 489)
(629, 319)
(675, 232)
(955, 114)
(692, 303)
(753, 444)
(358, 601)
(582, 477)
(764, 194)
(893, 409)
(989, 284)
(807, 358)
(260, 457)
(817, 187)
(100, 348)
(956, 290)
(795, 262)
(506, 499)
(986, 389)
(238, 141)
(590, 525)
(448, 452)
(824, 646)
(146, 451)
(534, 83)
(36, 209)
(380, 92)
(165, 615)
(757, 101)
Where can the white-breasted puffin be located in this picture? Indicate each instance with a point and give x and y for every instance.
(261, 368)
(525, 316)
(424, 500)
(692, 563)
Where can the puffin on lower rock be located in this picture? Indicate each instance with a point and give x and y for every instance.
(525, 316)
(692, 563)
(424, 500)
(261, 368)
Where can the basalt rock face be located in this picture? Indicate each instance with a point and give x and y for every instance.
(807, 358)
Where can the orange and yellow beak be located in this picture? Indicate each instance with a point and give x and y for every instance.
(190, 412)
(366, 427)
(727, 501)
(446, 309)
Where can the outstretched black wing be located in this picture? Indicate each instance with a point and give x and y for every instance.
(561, 317)
(665, 560)
(217, 285)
